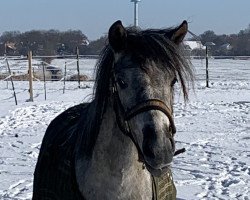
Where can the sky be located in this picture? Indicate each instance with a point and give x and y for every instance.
(94, 18)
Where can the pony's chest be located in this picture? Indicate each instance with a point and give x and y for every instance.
(105, 184)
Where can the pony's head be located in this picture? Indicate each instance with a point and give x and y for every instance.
(147, 64)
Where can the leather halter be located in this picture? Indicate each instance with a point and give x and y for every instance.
(151, 104)
(163, 186)
(123, 115)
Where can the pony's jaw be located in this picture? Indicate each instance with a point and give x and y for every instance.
(158, 161)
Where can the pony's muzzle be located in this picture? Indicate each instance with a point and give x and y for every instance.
(153, 128)
(158, 147)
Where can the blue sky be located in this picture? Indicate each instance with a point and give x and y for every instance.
(95, 17)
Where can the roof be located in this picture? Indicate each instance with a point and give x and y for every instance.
(194, 45)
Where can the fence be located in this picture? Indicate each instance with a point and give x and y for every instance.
(63, 71)
(223, 69)
(70, 73)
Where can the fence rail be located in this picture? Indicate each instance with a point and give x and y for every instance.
(53, 57)
(223, 57)
(70, 73)
(73, 68)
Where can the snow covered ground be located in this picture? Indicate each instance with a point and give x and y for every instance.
(214, 127)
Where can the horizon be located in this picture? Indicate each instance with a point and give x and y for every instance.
(94, 19)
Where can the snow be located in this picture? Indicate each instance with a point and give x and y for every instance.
(213, 126)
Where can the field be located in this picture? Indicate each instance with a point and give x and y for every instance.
(214, 127)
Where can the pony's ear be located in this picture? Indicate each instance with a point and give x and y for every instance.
(117, 36)
(177, 35)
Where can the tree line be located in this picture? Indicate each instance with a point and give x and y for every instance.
(227, 45)
(54, 42)
(51, 42)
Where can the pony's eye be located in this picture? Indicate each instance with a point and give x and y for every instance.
(173, 82)
(121, 83)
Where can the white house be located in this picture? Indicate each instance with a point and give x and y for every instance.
(193, 45)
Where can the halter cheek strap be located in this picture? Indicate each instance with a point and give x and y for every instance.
(123, 116)
(119, 111)
(122, 123)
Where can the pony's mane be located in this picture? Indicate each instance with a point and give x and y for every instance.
(142, 45)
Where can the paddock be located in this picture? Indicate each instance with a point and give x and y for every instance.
(213, 127)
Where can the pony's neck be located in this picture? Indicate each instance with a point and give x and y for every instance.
(114, 171)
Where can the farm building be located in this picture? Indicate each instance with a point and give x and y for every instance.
(194, 48)
(52, 73)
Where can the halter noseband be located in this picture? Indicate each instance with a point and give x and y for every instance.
(123, 115)
(151, 104)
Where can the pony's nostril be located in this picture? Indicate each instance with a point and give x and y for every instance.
(148, 151)
(172, 144)
(170, 131)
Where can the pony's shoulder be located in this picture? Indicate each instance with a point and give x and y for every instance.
(68, 116)
(63, 125)
(56, 157)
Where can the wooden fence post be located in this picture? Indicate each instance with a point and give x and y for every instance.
(207, 77)
(78, 69)
(5, 56)
(64, 77)
(11, 80)
(44, 82)
(30, 75)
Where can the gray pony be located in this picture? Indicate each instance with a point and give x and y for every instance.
(120, 145)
